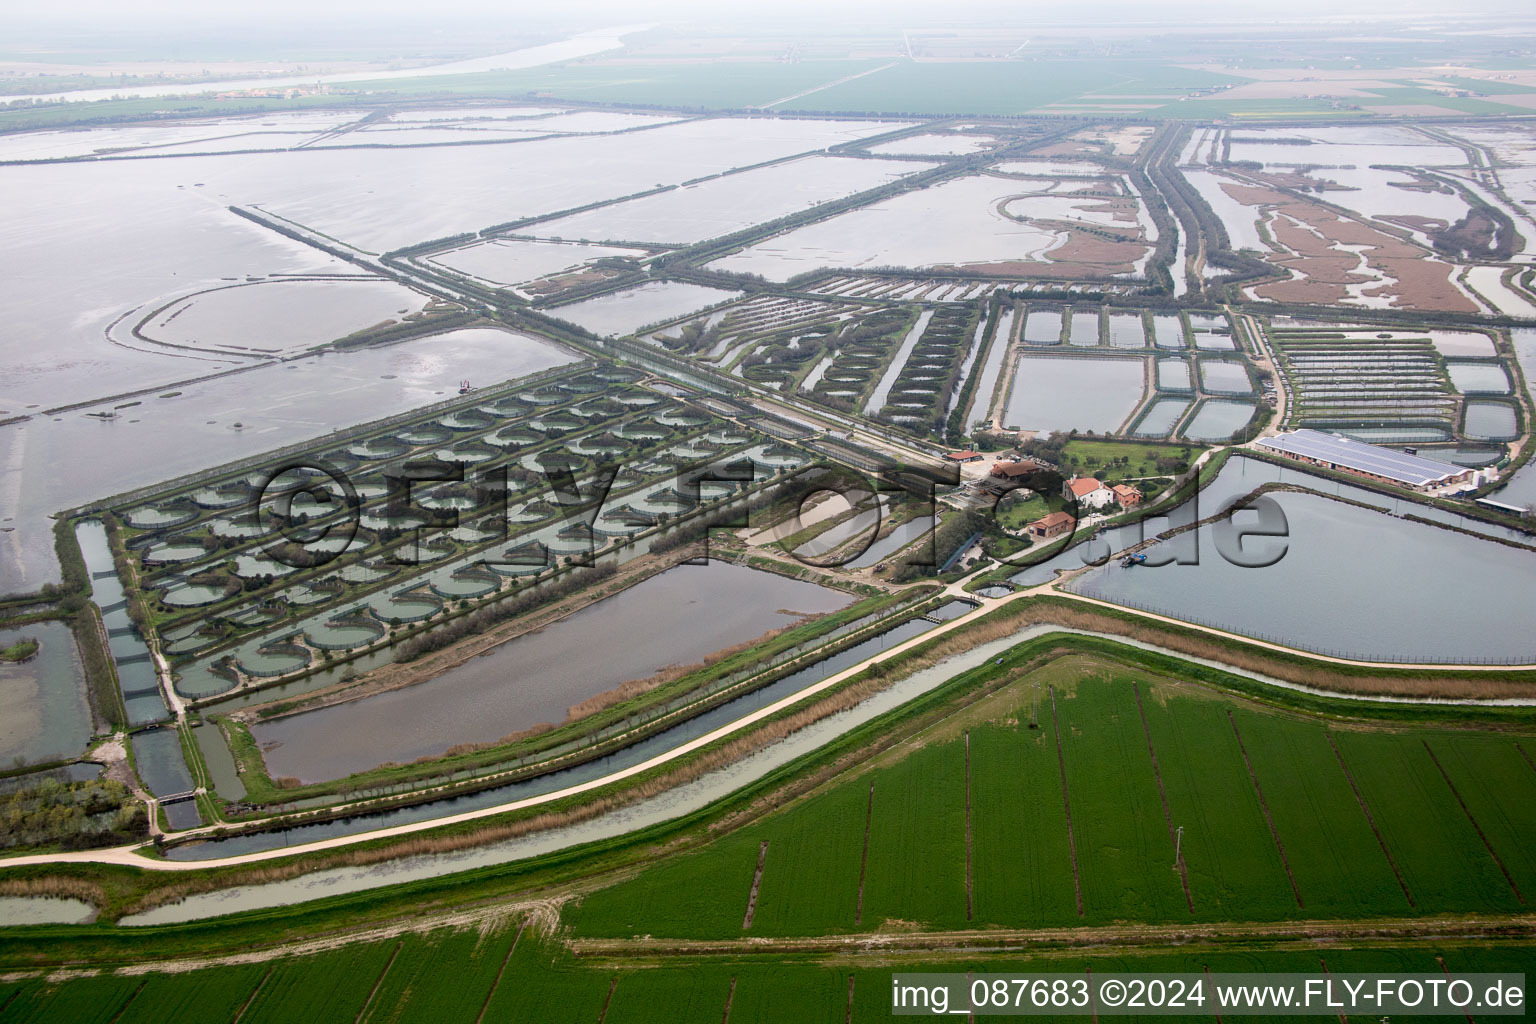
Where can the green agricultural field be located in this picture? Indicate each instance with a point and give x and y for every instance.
(1005, 87)
(916, 869)
(1443, 861)
(1021, 858)
(1228, 851)
(955, 820)
(1333, 854)
(542, 982)
(1023, 866)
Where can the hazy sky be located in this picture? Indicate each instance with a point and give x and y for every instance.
(82, 12)
(87, 30)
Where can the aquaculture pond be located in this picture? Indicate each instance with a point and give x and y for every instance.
(986, 384)
(1485, 378)
(1059, 394)
(160, 762)
(1160, 417)
(1491, 421)
(1225, 376)
(673, 619)
(135, 671)
(1520, 490)
(1218, 420)
(1126, 331)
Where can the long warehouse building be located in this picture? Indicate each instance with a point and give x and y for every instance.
(1333, 451)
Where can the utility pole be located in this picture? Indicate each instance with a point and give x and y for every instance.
(1178, 844)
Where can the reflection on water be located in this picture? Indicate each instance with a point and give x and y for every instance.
(675, 618)
(1052, 394)
(168, 435)
(1352, 583)
(18, 910)
(46, 716)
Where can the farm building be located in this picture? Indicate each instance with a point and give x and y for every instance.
(966, 456)
(1333, 451)
(1006, 475)
(1014, 470)
(1053, 525)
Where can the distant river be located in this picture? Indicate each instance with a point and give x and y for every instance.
(584, 45)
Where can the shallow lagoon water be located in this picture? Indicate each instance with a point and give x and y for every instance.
(676, 618)
(275, 317)
(729, 203)
(516, 260)
(955, 222)
(72, 227)
(1351, 583)
(629, 310)
(164, 436)
(46, 716)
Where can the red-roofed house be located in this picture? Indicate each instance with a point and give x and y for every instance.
(1128, 497)
(966, 456)
(1088, 492)
(1053, 525)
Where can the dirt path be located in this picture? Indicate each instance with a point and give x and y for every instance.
(869, 816)
(963, 945)
(757, 883)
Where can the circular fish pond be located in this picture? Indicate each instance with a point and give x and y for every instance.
(191, 595)
(148, 517)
